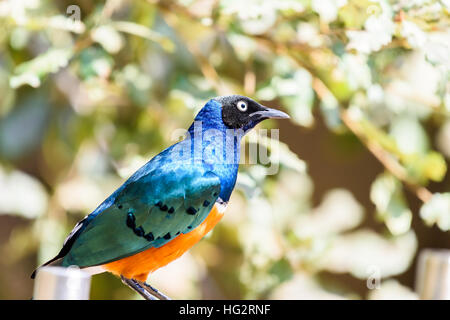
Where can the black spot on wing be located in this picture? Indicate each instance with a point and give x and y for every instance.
(149, 236)
(206, 203)
(139, 231)
(191, 211)
(167, 236)
(131, 220)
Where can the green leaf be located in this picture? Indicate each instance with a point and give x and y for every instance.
(434, 166)
(410, 136)
(378, 33)
(422, 168)
(408, 142)
(355, 12)
(387, 195)
(282, 270)
(144, 32)
(33, 71)
(437, 211)
(108, 37)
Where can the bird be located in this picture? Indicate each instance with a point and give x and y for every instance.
(170, 203)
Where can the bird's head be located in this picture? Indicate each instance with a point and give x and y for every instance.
(240, 112)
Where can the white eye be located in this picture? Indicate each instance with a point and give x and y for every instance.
(242, 106)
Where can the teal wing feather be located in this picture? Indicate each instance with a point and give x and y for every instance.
(146, 212)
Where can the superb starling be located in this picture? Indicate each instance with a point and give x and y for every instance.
(171, 202)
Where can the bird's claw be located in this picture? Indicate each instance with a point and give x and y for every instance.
(144, 289)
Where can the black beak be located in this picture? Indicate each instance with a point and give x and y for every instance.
(269, 113)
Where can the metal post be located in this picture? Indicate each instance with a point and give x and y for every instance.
(58, 283)
(433, 275)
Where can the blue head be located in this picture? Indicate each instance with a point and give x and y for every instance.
(235, 112)
(221, 124)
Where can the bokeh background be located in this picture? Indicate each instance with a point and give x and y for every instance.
(90, 90)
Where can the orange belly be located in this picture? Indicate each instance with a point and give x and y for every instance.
(138, 266)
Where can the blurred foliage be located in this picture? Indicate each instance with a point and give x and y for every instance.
(90, 91)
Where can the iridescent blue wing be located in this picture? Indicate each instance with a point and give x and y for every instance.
(148, 211)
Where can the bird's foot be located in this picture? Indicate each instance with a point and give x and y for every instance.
(144, 289)
(133, 284)
(153, 291)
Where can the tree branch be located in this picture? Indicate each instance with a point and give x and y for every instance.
(386, 159)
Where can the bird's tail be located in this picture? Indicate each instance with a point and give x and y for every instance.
(56, 261)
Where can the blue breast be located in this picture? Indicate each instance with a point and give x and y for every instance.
(208, 142)
(216, 146)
